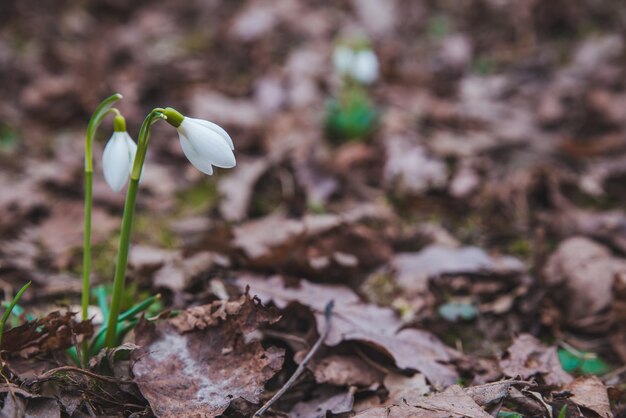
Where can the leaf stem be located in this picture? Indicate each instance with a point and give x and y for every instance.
(7, 313)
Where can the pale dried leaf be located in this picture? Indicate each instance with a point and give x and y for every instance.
(527, 357)
(354, 320)
(198, 362)
(451, 403)
(590, 393)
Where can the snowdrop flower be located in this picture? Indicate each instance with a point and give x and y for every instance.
(365, 66)
(118, 157)
(204, 143)
(343, 58)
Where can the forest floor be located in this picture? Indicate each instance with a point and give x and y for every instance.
(474, 245)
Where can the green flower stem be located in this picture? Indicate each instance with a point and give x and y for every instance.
(7, 313)
(96, 119)
(110, 339)
(122, 259)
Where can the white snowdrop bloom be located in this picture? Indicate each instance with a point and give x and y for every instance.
(343, 58)
(117, 160)
(365, 66)
(205, 144)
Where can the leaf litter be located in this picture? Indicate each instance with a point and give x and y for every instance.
(475, 232)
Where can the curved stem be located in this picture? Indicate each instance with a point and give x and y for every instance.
(110, 339)
(96, 119)
(7, 313)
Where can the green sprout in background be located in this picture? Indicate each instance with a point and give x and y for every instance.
(351, 115)
(584, 363)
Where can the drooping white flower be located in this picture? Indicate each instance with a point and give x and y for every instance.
(118, 158)
(365, 66)
(206, 144)
(343, 58)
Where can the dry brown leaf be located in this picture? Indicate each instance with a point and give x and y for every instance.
(451, 403)
(198, 362)
(404, 389)
(324, 400)
(410, 170)
(354, 320)
(527, 357)
(491, 392)
(329, 246)
(609, 226)
(590, 393)
(226, 110)
(414, 269)
(53, 332)
(583, 274)
(237, 188)
(29, 406)
(341, 370)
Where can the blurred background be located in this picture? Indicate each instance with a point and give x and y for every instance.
(495, 123)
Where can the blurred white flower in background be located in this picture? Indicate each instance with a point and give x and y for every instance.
(360, 64)
(343, 59)
(365, 66)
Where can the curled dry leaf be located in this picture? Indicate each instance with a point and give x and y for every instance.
(590, 393)
(404, 389)
(21, 404)
(198, 362)
(414, 269)
(318, 245)
(354, 320)
(169, 269)
(451, 403)
(237, 188)
(325, 400)
(341, 370)
(54, 332)
(584, 273)
(492, 392)
(410, 170)
(527, 357)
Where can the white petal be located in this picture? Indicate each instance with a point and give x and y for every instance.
(116, 161)
(193, 157)
(207, 143)
(132, 151)
(343, 57)
(365, 68)
(218, 129)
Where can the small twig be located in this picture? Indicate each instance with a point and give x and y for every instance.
(50, 374)
(328, 312)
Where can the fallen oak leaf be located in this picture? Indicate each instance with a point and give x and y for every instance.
(198, 362)
(354, 320)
